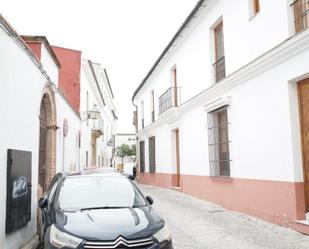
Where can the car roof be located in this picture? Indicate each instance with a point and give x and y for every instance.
(96, 172)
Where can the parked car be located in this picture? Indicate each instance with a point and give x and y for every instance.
(97, 210)
(128, 170)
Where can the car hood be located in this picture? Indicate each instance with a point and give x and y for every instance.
(109, 224)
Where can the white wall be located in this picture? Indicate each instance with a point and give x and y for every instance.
(20, 98)
(68, 150)
(22, 85)
(49, 65)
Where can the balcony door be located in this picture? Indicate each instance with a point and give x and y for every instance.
(301, 14)
(177, 158)
(219, 65)
(303, 93)
(174, 77)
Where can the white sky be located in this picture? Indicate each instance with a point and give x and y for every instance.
(125, 36)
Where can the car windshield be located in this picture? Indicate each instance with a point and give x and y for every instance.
(98, 192)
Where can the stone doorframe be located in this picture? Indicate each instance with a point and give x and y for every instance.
(49, 102)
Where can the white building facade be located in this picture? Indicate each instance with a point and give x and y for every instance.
(33, 110)
(98, 136)
(222, 114)
(46, 126)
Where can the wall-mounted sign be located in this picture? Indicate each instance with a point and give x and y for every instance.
(18, 202)
(65, 127)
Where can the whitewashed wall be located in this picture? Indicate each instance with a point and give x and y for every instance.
(68, 150)
(21, 85)
(49, 65)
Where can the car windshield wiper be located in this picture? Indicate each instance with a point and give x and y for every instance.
(103, 207)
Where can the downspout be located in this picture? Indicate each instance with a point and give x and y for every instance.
(136, 141)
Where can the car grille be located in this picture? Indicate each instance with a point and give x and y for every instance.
(119, 243)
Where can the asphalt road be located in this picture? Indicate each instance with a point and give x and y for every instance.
(197, 224)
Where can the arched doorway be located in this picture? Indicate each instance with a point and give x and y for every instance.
(47, 143)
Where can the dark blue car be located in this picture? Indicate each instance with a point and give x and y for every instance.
(96, 210)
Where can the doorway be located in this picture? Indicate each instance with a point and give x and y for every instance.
(177, 158)
(303, 97)
(47, 141)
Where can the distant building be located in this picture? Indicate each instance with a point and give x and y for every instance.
(223, 112)
(98, 136)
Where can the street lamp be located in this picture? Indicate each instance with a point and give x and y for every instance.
(93, 113)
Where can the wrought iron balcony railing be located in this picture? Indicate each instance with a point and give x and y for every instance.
(219, 69)
(170, 98)
(301, 14)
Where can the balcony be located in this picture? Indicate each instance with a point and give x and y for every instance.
(171, 98)
(301, 14)
(98, 127)
(219, 69)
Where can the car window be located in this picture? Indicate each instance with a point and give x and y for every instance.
(88, 192)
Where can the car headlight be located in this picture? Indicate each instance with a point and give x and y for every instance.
(60, 239)
(163, 234)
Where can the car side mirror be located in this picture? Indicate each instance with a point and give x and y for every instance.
(43, 202)
(149, 200)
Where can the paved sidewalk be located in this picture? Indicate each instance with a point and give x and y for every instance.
(197, 224)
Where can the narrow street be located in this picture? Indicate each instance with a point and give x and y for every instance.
(198, 224)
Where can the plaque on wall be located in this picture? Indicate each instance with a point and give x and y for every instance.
(18, 200)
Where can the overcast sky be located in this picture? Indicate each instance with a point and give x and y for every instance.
(125, 36)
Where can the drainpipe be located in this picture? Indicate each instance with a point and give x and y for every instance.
(136, 130)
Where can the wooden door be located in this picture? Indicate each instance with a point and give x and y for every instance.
(152, 155)
(175, 87)
(142, 157)
(177, 157)
(303, 94)
(219, 43)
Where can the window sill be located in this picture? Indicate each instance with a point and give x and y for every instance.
(221, 178)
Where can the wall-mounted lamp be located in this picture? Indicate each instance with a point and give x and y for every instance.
(93, 113)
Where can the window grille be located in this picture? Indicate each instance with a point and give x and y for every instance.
(218, 143)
